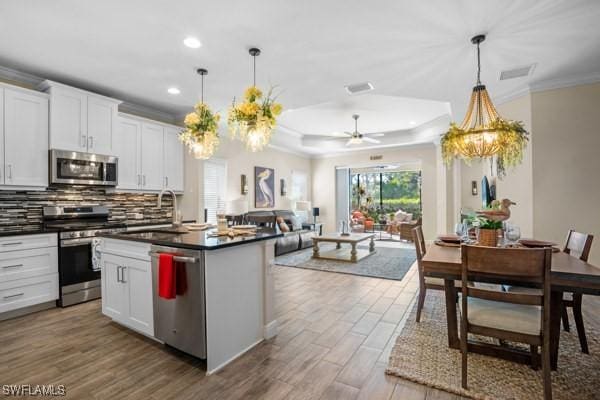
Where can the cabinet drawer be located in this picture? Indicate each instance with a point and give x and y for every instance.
(126, 248)
(24, 242)
(27, 292)
(22, 264)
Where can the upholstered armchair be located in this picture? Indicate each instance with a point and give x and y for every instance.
(402, 225)
(357, 221)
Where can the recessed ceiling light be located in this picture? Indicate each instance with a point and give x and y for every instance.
(192, 42)
(412, 123)
(173, 90)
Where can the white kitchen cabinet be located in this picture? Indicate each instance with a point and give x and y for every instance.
(173, 159)
(25, 139)
(102, 123)
(127, 149)
(28, 271)
(127, 292)
(152, 156)
(79, 120)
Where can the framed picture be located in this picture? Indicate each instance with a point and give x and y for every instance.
(264, 187)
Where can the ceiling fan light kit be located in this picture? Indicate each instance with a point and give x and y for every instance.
(483, 133)
(356, 137)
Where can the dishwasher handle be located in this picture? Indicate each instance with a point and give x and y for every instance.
(187, 260)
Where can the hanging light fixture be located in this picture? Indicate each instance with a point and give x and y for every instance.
(483, 133)
(201, 135)
(253, 120)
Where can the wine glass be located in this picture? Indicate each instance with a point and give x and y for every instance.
(459, 229)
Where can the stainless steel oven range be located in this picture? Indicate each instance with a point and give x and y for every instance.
(77, 227)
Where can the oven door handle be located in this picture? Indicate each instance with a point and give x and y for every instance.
(75, 242)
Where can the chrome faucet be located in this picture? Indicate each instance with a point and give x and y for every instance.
(176, 222)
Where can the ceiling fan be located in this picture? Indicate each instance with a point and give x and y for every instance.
(357, 138)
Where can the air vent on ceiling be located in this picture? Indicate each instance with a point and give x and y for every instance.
(516, 72)
(359, 87)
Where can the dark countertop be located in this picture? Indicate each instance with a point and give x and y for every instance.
(195, 240)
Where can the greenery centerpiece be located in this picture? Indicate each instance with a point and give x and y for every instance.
(201, 134)
(488, 231)
(253, 120)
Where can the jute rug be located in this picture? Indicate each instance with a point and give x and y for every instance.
(421, 354)
(388, 263)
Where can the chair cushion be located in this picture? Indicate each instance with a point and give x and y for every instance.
(506, 316)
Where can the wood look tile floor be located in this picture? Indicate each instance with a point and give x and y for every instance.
(336, 333)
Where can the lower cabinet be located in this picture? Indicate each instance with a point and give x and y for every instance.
(127, 292)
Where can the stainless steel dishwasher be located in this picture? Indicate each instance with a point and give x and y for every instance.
(181, 322)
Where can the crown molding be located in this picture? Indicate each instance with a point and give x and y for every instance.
(148, 112)
(19, 78)
(290, 151)
(559, 83)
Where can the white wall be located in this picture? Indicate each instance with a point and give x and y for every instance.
(241, 161)
(566, 163)
(323, 187)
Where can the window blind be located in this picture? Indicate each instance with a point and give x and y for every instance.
(215, 181)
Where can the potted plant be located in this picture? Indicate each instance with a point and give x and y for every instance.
(488, 232)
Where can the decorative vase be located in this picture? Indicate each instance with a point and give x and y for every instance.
(488, 237)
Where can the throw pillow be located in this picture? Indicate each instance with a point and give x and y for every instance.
(400, 216)
(296, 223)
(409, 217)
(283, 227)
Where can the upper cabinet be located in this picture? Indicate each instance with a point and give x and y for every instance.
(24, 137)
(173, 159)
(150, 155)
(80, 120)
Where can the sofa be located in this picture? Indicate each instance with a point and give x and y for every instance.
(295, 239)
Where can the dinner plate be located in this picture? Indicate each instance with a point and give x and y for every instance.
(536, 243)
(244, 227)
(449, 238)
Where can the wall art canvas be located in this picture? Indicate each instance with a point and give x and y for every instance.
(264, 187)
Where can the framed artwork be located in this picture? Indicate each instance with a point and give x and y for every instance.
(264, 187)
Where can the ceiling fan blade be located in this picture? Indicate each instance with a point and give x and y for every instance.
(374, 134)
(370, 140)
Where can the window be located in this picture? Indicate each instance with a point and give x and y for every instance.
(299, 186)
(215, 182)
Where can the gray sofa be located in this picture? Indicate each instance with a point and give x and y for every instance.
(293, 240)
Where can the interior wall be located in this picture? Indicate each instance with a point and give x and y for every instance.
(566, 163)
(241, 161)
(323, 180)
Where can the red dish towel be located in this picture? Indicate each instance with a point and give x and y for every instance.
(167, 276)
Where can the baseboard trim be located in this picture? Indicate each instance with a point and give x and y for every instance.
(27, 310)
(270, 330)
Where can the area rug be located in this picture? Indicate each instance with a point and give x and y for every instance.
(387, 263)
(421, 354)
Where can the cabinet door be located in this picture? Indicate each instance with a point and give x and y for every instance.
(101, 123)
(114, 291)
(152, 156)
(127, 149)
(68, 120)
(173, 160)
(25, 139)
(138, 275)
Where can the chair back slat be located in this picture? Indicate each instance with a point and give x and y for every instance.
(578, 244)
(505, 262)
(532, 299)
(419, 242)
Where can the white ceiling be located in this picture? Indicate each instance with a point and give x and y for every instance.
(133, 50)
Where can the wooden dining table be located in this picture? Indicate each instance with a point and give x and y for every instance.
(568, 274)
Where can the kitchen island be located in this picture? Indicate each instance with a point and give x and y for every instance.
(225, 307)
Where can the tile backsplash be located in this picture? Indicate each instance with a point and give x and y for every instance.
(22, 210)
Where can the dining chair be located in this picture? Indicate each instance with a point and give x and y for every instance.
(515, 317)
(425, 282)
(578, 245)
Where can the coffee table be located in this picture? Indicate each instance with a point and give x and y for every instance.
(351, 254)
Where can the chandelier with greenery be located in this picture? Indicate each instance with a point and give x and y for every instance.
(483, 133)
(253, 120)
(201, 134)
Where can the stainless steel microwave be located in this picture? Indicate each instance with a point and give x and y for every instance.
(75, 168)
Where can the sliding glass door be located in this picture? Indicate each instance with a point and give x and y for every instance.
(382, 193)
